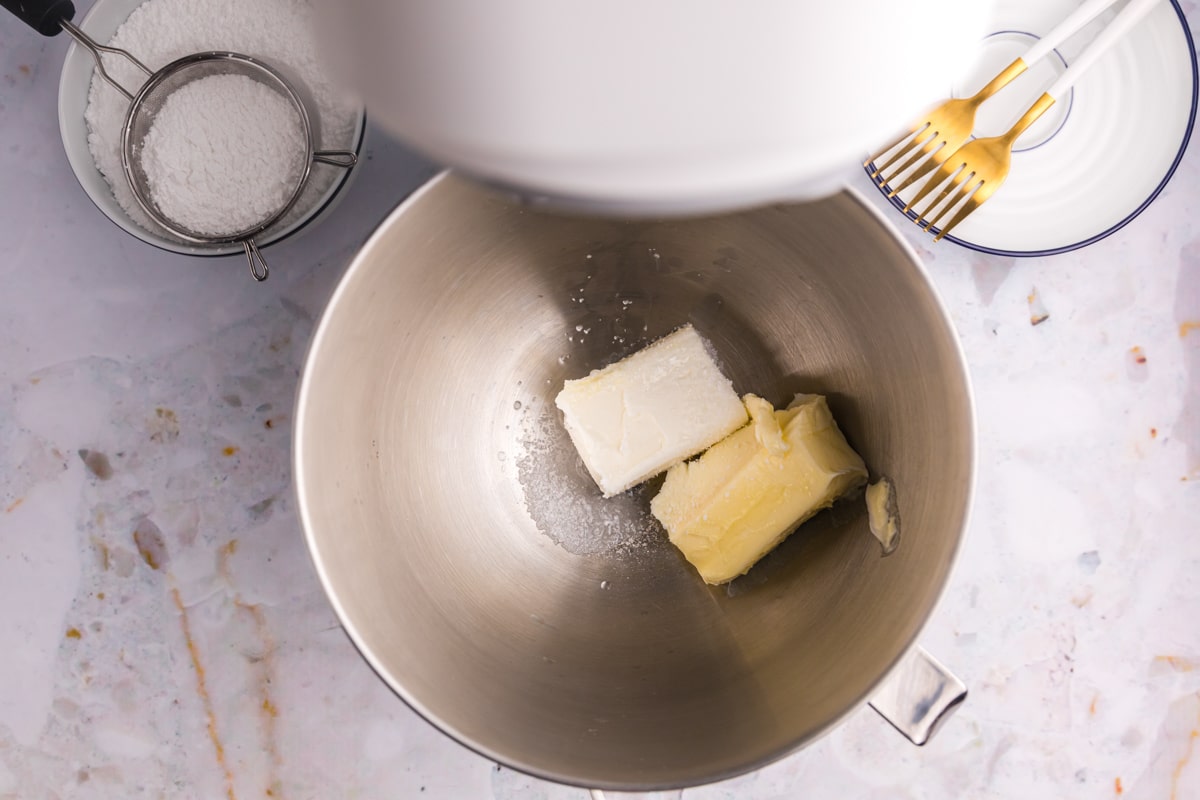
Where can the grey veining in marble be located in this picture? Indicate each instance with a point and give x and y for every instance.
(163, 634)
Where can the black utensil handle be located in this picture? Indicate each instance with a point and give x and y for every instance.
(43, 16)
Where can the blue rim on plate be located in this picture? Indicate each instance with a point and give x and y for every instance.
(1187, 135)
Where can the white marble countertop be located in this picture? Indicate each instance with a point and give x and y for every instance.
(164, 635)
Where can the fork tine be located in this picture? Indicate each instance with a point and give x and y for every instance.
(966, 190)
(931, 163)
(973, 202)
(916, 144)
(879, 153)
(944, 172)
(962, 214)
(913, 135)
(964, 174)
(916, 147)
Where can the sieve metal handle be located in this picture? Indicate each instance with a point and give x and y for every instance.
(98, 50)
(258, 265)
(48, 17)
(337, 158)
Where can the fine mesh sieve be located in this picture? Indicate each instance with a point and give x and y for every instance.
(149, 101)
(48, 17)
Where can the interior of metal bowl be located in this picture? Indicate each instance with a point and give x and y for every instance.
(439, 358)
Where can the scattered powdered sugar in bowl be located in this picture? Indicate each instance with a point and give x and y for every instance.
(223, 154)
(277, 32)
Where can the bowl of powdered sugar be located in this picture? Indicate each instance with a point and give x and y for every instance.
(224, 150)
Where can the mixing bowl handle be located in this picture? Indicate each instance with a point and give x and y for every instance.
(918, 696)
(44, 16)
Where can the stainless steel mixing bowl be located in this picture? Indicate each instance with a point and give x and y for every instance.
(438, 359)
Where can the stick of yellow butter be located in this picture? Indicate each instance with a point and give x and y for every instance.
(731, 506)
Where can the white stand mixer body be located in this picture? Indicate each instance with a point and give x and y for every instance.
(651, 106)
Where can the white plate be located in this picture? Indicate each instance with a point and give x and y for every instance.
(1093, 163)
(100, 23)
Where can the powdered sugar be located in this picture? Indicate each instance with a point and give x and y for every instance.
(563, 501)
(223, 154)
(279, 32)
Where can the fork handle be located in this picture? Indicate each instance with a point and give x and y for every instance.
(1130, 16)
(1085, 13)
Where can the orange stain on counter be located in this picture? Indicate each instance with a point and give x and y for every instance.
(14, 505)
(1117, 786)
(202, 690)
(1187, 327)
(1175, 776)
(229, 450)
(1177, 663)
(1138, 355)
(270, 711)
(1092, 707)
(1037, 312)
(73, 633)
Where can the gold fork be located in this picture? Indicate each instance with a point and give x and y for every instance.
(938, 134)
(935, 136)
(979, 168)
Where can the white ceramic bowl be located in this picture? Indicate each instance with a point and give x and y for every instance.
(101, 22)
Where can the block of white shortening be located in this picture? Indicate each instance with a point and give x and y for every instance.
(638, 417)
